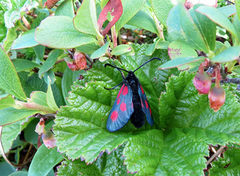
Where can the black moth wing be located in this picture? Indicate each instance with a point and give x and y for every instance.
(145, 105)
(122, 109)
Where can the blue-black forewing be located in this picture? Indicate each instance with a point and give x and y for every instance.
(122, 109)
(145, 105)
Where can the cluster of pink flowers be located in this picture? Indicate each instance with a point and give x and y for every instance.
(202, 82)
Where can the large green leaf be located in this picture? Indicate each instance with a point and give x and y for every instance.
(86, 19)
(66, 8)
(90, 105)
(182, 28)
(161, 9)
(130, 8)
(218, 17)
(11, 115)
(59, 32)
(9, 79)
(144, 21)
(26, 40)
(175, 153)
(205, 26)
(227, 55)
(44, 160)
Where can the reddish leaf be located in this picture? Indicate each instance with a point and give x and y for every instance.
(116, 9)
(50, 3)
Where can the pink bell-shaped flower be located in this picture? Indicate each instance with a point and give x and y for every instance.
(216, 98)
(202, 83)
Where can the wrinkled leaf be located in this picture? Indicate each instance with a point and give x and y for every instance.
(105, 165)
(90, 105)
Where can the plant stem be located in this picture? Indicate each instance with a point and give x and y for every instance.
(114, 36)
(21, 27)
(160, 31)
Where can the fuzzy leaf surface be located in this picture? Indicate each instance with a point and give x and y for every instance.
(81, 127)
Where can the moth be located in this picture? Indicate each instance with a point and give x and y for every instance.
(131, 102)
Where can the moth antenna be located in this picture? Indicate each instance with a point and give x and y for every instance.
(146, 63)
(114, 86)
(115, 67)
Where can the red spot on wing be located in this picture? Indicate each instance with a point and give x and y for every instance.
(123, 106)
(125, 91)
(132, 105)
(142, 89)
(118, 101)
(146, 103)
(120, 91)
(150, 110)
(142, 104)
(114, 115)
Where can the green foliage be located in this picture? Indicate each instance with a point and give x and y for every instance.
(41, 94)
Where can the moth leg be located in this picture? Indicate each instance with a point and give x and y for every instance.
(114, 86)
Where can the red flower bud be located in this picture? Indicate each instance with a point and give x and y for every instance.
(73, 66)
(217, 98)
(48, 139)
(80, 60)
(40, 126)
(202, 83)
